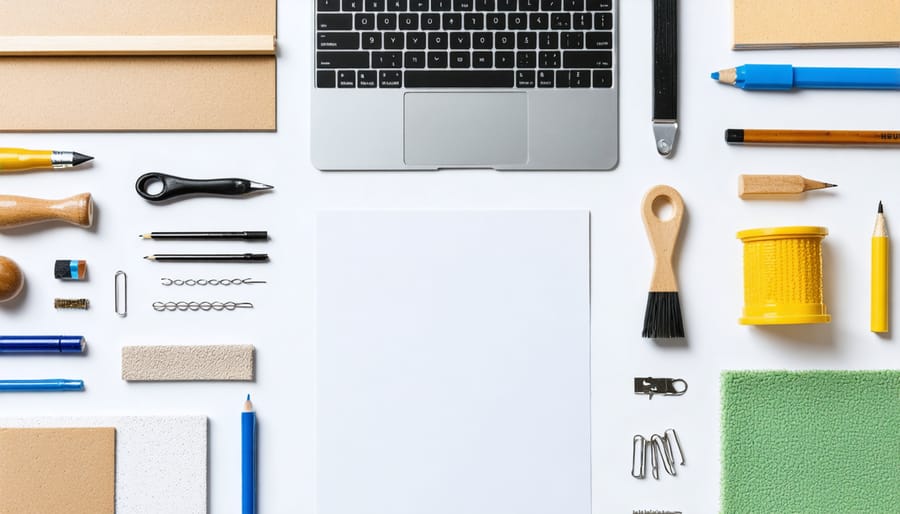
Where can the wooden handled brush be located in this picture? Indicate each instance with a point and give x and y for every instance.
(16, 211)
(663, 315)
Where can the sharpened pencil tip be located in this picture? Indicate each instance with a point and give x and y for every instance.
(248, 397)
(830, 185)
(880, 208)
(149, 257)
(80, 158)
(714, 75)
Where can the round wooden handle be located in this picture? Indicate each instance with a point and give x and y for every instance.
(663, 235)
(11, 279)
(16, 211)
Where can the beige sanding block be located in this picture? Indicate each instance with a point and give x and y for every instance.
(186, 363)
(815, 23)
(57, 470)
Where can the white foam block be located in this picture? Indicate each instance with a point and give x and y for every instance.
(453, 362)
(160, 460)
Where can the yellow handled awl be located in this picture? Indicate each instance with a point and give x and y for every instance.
(20, 159)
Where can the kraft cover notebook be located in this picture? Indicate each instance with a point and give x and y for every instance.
(812, 23)
(453, 362)
(810, 442)
(88, 92)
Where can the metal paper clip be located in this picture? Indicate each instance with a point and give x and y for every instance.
(663, 386)
(638, 457)
(670, 438)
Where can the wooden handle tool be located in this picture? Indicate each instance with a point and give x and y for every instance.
(11, 279)
(752, 187)
(663, 235)
(16, 211)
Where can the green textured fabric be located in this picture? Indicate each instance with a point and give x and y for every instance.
(811, 442)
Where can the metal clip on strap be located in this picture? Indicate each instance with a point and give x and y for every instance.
(663, 386)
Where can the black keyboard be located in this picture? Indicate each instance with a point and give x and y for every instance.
(464, 43)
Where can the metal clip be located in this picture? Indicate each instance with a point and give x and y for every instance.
(663, 386)
(638, 457)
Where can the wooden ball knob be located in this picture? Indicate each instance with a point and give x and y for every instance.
(11, 279)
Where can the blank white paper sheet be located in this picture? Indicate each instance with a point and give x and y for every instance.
(453, 362)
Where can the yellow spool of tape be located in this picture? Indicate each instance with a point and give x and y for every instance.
(783, 276)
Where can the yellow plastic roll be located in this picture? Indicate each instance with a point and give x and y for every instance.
(783, 276)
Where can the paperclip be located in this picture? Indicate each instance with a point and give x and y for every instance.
(677, 444)
(665, 449)
(654, 458)
(121, 294)
(636, 464)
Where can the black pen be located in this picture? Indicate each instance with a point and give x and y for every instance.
(208, 257)
(244, 235)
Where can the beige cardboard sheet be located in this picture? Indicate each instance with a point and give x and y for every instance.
(140, 92)
(802, 23)
(57, 470)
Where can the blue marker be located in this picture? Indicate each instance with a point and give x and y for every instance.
(781, 77)
(46, 384)
(41, 344)
(248, 458)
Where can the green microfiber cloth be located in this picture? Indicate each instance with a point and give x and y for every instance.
(811, 442)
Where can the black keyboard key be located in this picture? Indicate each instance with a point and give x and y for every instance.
(587, 59)
(334, 21)
(562, 78)
(415, 59)
(581, 21)
(561, 21)
(441, 5)
(517, 21)
(603, 21)
(337, 41)
(507, 5)
(438, 40)
(548, 40)
(387, 60)
(332, 60)
(460, 59)
(482, 59)
(346, 78)
(525, 78)
(351, 5)
(574, 5)
(551, 5)
(549, 59)
(419, 5)
(460, 41)
(390, 78)
(496, 21)
(504, 59)
(458, 78)
(387, 21)
(437, 59)
(485, 5)
(365, 22)
(526, 59)
(374, 6)
(598, 5)
(451, 21)
(416, 40)
(328, 5)
(371, 40)
(367, 78)
(539, 21)
(526, 40)
(409, 21)
(572, 40)
(473, 21)
(397, 5)
(579, 78)
(325, 78)
(545, 78)
(602, 78)
(462, 5)
(431, 21)
(504, 41)
(598, 40)
(483, 40)
(393, 41)
(529, 5)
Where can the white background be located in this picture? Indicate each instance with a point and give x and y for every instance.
(282, 325)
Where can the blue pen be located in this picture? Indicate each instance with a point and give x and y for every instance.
(248, 459)
(41, 344)
(46, 384)
(781, 77)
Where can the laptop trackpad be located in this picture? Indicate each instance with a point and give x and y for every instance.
(465, 129)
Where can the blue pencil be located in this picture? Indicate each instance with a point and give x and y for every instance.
(41, 344)
(248, 458)
(781, 77)
(46, 384)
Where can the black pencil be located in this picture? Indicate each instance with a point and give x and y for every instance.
(209, 257)
(244, 235)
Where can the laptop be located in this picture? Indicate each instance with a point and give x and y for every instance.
(431, 84)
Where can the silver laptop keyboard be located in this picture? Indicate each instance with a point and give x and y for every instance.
(464, 43)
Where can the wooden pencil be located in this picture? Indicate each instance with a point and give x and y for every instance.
(812, 137)
(776, 186)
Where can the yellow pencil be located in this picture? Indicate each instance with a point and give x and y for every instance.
(880, 276)
(20, 159)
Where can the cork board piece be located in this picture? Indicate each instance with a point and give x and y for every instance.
(138, 93)
(161, 461)
(178, 363)
(58, 470)
(815, 23)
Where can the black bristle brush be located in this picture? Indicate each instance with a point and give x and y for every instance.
(662, 318)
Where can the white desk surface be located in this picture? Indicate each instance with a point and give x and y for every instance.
(282, 327)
